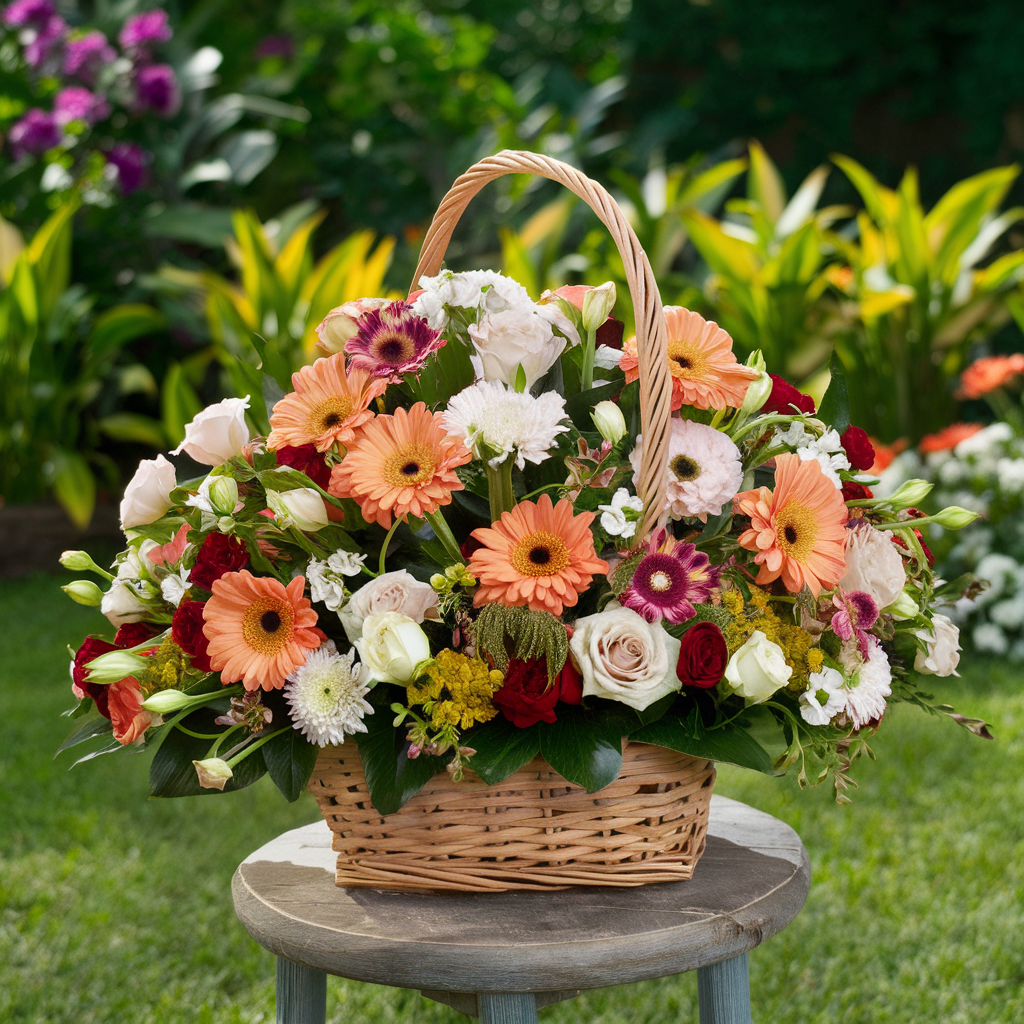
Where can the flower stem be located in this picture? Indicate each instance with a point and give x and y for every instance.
(256, 746)
(587, 378)
(384, 546)
(499, 489)
(444, 534)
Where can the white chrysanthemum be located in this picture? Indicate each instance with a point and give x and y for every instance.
(868, 682)
(326, 696)
(703, 472)
(824, 697)
(498, 423)
(613, 516)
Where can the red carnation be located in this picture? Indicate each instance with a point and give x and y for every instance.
(187, 633)
(218, 555)
(784, 396)
(858, 447)
(306, 459)
(525, 697)
(702, 656)
(853, 491)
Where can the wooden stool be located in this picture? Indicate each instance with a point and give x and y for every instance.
(500, 956)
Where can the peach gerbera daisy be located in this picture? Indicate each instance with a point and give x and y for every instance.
(537, 555)
(259, 630)
(985, 375)
(705, 373)
(798, 530)
(327, 406)
(402, 464)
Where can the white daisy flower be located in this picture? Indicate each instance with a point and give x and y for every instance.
(326, 696)
(613, 516)
(498, 423)
(824, 698)
(868, 681)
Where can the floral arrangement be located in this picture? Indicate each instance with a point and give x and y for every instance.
(437, 552)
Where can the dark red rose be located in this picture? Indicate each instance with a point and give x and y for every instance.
(308, 460)
(610, 333)
(92, 647)
(784, 396)
(187, 633)
(702, 656)
(468, 546)
(853, 491)
(218, 555)
(526, 698)
(858, 447)
(131, 634)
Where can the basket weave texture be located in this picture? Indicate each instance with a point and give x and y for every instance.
(532, 831)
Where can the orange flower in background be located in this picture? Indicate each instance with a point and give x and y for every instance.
(705, 373)
(129, 718)
(536, 555)
(947, 438)
(259, 630)
(799, 529)
(327, 406)
(885, 453)
(985, 375)
(402, 464)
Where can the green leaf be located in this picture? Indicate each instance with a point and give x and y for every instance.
(274, 364)
(172, 773)
(835, 406)
(502, 749)
(180, 403)
(129, 426)
(122, 324)
(731, 744)
(49, 253)
(74, 486)
(583, 748)
(290, 759)
(87, 728)
(579, 407)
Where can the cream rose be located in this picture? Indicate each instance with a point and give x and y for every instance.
(392, 649)
(623, 657)
(757, 669)
(514, 337)
(148, 494)
(302, 508)
(943, 641)
(393, 592)
(874, 565)
(342, 323)
(218, 433)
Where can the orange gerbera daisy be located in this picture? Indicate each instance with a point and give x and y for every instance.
(259, 630)
(948, 437)
(705, 373)
(327, 406)
(798, 531)
(402, 464)
(985, 375)
(536, 555)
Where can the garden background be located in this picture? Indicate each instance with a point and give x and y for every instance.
(182, 198)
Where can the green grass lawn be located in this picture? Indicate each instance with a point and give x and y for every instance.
(115, 908)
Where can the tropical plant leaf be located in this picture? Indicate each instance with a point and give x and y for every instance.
(89, 727)
(172, 773)
(122, 324)
(835, 406)
(180, 403)
(74, 486)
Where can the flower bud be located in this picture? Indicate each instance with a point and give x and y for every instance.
(904, 607)
(610, 422)
(757, 394)
(439, 582)
(597, 305)
(213, 772)
(114, 666)
(756, 361)
(223, 495)
(168, 701)
(912, 493)
(81, 561)
(302, 508)
(954, 517)
(84, 592)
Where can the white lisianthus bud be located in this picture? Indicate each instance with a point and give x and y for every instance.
(218, 433)
(81, 561)
(757, 669)
(912, 493)
(756, 361)
(904, 607)
(84, 592)
(597, 305)
(757, 394)
(302, 508)
(213, 773)
(166, 702)
(392, 648)
(610, 422)
(223, 495)
(114, 666)
(148, 494)
(954, 517)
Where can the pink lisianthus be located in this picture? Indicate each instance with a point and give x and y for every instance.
(171, 552)
(856, 612)
(391, 342)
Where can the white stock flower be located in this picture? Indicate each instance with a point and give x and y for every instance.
(613, 516)
(327, 697)
(398, 591)
(175, 586)
(824, 697)
(392, 649)
(497, 423)
(873, 564)
(512, 338)
(757, 669)
(148, 494)
(868, 682)
(347, 563)
(828, 452)
(218, 433)
(943, 642)
(324, 585)
(484, 290)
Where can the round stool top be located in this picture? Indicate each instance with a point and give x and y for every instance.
(750, 883)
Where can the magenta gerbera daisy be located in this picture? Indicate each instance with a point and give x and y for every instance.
(392, 341)
(669, 580)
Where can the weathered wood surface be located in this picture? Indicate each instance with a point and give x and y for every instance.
(751, 882)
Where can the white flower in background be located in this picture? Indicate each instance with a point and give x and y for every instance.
(392, 648)
(1010, 474)
(512, 338)
(398, 591)
(1000, 571)
(990, 639)
(497, 423)
(874, 565)
(703, 472)
(828, 452)
(982, 443)
(623, 657)
(824, 697)
(757, 669)
(327, 697)
(868, 681)
(1008, 614)
(302, 508)
(954, 473)
(218, 433)
(121, 604)
(148, 494)
(906, 466)
(613, 516)
(175, 586)
(943, 642)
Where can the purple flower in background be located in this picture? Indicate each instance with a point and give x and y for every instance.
(77, 104)
(35, 133)
(130, 162)
(85, 56)
(156, 89)
(29, 12)
(44, 43)
(146, 28)
(275, 46)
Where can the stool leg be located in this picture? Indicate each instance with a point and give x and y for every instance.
(508, 1008)
(301, 994)
(723, 992)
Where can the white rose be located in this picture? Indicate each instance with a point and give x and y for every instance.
(342, 323)
(511, 338)
(121, 604)
(393, 592)
(302, 508)
(943, 641)
(623, 657)
(392, 648)
(218, 433)
(757, 669)
(874, 565)
(148, 494)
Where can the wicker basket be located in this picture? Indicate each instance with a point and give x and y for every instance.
(535, 830)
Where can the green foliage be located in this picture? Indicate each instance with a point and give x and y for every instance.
(503, 632)
(730, 743)
(502, 749)
(583, 747)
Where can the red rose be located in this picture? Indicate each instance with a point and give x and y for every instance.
(784, 396)
(610, 333)
(218, 555)
(131, 634)
(858, 447)
(187, 633)
(853, 491)
(306, 459)
(526, 698)
(702, 656)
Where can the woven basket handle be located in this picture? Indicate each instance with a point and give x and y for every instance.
(651, 334)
